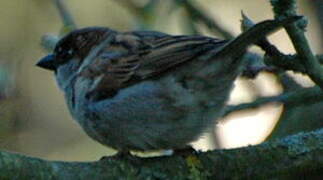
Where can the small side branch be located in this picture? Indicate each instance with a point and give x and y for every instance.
(196, 14)
(65, 14)
(302, 96)
(49, 41)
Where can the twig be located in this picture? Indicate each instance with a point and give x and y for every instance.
(302, 96)
(273, 56)
(254, 65)
(189, 26)
(143, 15)
(252, 35)
(49, 41)
(198, 15)
(131, 6)
(287, 8)
(289, 62)
(67, 18)
(263, 43)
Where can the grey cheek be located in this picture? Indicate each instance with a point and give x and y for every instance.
(63, 75)
(60, 80)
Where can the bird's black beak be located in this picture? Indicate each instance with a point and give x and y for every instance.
(47, 62)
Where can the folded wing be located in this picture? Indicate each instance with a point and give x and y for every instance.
(136, 56)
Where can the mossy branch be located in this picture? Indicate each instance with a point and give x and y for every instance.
(289, 158)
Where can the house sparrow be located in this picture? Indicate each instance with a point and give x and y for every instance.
(143, 90)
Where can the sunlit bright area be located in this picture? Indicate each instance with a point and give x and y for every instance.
(35, 118)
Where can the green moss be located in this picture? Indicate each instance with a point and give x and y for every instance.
(195, 166)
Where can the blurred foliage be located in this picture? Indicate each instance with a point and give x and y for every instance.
(7, 103)
(7, 114)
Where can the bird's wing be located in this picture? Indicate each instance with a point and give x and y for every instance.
(171, 51)
(135, 56)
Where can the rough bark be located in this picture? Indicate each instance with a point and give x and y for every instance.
(296, 156)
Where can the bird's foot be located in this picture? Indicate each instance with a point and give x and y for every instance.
(186, 151)
(121, 155)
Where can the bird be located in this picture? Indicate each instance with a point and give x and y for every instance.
(144, 90)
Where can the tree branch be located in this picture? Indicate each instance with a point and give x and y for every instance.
(287, 8)
(318, 6)
(273, 56)
(286, 158)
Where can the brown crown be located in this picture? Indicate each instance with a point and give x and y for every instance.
(80, 42)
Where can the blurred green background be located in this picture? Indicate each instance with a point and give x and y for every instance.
(33, 116)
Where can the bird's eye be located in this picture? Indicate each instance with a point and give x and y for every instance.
(70, 52)
(59, 49)
(65, 54)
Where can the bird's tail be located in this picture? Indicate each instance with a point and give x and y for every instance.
(231, 53)
(223, 64)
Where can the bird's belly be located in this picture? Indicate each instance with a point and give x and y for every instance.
(148, 116)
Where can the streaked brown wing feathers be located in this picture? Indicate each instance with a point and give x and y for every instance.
(170, 51)
(149, 57)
